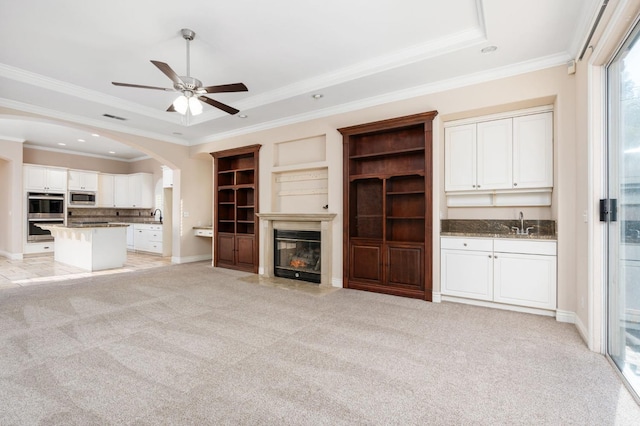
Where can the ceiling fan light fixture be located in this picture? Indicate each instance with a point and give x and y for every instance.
(181, 104)
(195, 107)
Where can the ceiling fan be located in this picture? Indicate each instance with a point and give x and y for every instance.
(191, 89)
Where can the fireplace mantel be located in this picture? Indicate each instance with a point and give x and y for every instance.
(298, 221)
(298, 217)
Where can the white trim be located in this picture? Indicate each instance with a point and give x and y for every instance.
(412, 92)
(499, 116)
(11, 256)
(86, 154)
(584, 333)
(515, 308)
(12, 139)
(336, 282)
(190, 259)
(436, 297)
(566, 316)
(261, 270)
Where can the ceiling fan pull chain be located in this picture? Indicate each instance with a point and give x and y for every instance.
(188, 58)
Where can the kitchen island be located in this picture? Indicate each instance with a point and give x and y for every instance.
(92, 247)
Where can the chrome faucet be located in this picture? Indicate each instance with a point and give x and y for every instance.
(522, 230)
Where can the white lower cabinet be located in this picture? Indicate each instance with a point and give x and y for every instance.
(147, 237)
(514, 272)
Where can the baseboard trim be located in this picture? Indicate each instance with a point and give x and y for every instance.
(582, 330)
(436, 297)
(11, 256)
(336, 282)
(190, 259)
(260, 270)
(565, 316)
(486, 304)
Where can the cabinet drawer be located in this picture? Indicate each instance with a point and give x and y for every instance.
(475, 244)
(547, 248)
(203, 232)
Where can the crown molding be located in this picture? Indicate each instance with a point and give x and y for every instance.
(12, 139)
(57, 115)
(436, 87)
(85, 154)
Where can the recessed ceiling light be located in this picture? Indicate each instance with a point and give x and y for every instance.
(317, 96)
(95, 135)
(243, 116)
(177, 133)
(62, 144)
(489, 49)
(112, 152)
(81, 140)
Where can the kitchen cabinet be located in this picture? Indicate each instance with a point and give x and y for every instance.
(106, 188)
(167, 177)
(507, 271)
(147, 237)
(83, 180)
(133, 191)
(44, 179)
(237, 200)
(467, 268)
(513, 153)
(387, 200)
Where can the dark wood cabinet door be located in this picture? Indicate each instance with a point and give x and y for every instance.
(226, 249)
(405, 266)
(365, 262)
(245, 246)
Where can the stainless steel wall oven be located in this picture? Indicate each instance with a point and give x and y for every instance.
(43, 208)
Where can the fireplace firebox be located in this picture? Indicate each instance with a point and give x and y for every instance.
(297, 255)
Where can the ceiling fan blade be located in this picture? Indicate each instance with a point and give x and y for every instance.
(139, 86)
(235, 87)
(171, 108)
(219, 105)
(166, 69)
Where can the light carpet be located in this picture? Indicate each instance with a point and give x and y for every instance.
(192, 344)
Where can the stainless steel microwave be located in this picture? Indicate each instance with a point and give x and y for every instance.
(82, 198)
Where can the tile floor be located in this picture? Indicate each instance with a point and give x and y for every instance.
(33, 270)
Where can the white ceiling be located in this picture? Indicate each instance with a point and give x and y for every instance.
(58, 59)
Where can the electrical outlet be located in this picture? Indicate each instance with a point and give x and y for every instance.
(185, 214)
(585, 216)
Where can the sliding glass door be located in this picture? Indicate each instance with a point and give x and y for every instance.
(623, 210)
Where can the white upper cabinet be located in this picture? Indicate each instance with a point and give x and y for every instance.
(494, 154)
(533, 151)
(502, 154)
(38, 178)
(106, 189)
(460, 158)
(83, 181)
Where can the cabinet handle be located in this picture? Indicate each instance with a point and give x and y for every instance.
(473, 186)
(478, 186)
(495, 257)
(489, 256)
(464, 244)
(515, 184)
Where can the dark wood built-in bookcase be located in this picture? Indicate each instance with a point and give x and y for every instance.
(236, 204)
(388, 206)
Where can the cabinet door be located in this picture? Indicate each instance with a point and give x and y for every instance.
(494, 154)
(226, 249)
(106, 191)
(365, 262)
(84, 181)
(245, 249)
(405, 266)
(525, 280)
(467, 274)
(34, 178)
(121, 191)
(460, 158)
(533, 151)
(56, 179)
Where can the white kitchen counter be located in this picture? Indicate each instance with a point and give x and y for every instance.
(90, 247)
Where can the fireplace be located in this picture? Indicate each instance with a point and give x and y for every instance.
(297, 255)
(319, 223)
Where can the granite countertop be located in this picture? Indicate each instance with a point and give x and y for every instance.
(494, 228)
